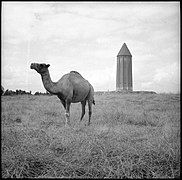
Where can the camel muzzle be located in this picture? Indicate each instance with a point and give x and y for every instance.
(32, 66)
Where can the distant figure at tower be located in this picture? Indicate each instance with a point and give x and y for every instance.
(124, 70)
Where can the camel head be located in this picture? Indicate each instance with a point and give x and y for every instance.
(40, 68)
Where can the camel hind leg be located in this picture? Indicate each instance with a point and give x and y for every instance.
(91, 101)
(83, 109)
(89, 110)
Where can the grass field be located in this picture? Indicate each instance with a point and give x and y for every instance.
(130, 136)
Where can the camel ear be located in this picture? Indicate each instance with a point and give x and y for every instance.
(47, 65)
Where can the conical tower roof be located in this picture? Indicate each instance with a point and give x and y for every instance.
(124, 51)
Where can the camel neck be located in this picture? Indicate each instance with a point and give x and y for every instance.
(48, 84)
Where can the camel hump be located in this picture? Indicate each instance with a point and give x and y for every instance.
(75, 72)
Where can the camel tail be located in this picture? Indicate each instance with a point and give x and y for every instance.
(93, 101)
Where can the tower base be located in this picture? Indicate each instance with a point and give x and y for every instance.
(124, 89)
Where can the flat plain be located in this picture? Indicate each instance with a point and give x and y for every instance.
(130, 136)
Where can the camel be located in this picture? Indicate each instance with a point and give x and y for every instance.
(71, 88)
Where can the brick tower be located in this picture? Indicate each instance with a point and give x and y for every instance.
(124, 70)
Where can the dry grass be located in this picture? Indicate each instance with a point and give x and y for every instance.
(130, 136)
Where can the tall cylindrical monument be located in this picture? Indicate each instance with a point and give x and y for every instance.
(124, 70)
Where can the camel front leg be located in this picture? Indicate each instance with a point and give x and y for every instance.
(63, 103)
(67, 114)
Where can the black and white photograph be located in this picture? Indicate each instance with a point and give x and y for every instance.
(90, 89)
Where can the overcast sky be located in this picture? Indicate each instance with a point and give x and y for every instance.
(87, 37)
